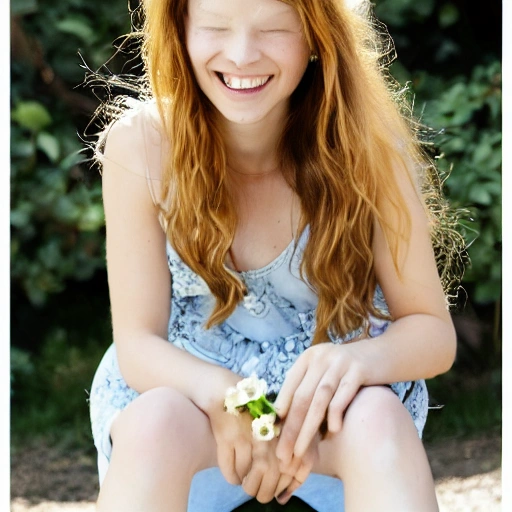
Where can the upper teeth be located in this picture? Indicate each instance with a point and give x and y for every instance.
(244, 83)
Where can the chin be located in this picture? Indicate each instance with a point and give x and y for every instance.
(241, 118)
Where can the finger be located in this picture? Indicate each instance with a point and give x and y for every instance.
(291, 383)
(226, 461)
(291, 467)
(293, 487)
(243, 459)
(303, 472)
(284, 496)
(344, 395)
(252, 481)
(283, 484)
(296, 481)
(296, 415)
(324, 392)
(266, 465)
(260, 464)
(268, 484)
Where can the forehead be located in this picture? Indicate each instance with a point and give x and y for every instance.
(231, 8)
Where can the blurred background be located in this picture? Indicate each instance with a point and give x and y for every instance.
(449, 54)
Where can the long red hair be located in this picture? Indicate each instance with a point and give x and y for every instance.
(347, 136)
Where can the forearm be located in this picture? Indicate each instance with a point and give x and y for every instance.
(148, 361)
(413, 347)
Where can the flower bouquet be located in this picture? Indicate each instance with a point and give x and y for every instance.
(250, 395)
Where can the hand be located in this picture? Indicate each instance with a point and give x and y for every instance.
(321, 384)
(264, 476)
(241, 458)
(294, 474)
(233, 437)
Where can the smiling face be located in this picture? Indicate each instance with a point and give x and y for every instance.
(247, 56)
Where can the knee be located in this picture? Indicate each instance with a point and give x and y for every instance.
(156, 422)
(376, 427)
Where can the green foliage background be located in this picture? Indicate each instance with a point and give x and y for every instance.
(448, 54)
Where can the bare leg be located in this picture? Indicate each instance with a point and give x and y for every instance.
(379, 457)
(159, 442)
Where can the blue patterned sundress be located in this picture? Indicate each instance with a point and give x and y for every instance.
(265, 335)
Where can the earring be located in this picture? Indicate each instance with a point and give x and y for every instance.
(313, 57)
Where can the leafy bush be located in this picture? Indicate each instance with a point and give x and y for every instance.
(468, 116)
(57, 215)
(22, 366)
(456, 82)
(57, 224)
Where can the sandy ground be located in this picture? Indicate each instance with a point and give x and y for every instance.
(467, 475)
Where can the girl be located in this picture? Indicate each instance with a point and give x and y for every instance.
(265, 216)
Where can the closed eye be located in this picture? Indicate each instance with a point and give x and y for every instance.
(214, 29)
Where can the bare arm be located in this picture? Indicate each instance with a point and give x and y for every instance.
(139, 280)
(419, 344)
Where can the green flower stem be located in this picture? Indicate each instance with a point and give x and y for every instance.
(260, 406)
(254, 408)
(269, 405)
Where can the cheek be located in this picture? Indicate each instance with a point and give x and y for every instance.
(296, 63)
(293, 55)
(200, 50)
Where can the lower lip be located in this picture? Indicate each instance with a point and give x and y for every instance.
(245, 92)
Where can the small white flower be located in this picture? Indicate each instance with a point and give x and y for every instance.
(246, 391)
(231, 401)
(263, 428)
(250, 389)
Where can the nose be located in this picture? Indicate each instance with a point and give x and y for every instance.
(242, 48)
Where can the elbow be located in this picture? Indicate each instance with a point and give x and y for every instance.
(448, 352)
(125, 360)
(124, 366)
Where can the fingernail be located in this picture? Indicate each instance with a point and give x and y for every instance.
(283, 497)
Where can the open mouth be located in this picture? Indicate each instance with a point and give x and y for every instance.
(243, 84)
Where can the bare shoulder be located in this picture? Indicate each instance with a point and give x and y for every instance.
(136, 142)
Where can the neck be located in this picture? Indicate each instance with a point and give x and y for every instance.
(252, 149)
(252, 171)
